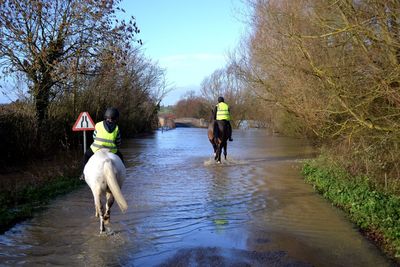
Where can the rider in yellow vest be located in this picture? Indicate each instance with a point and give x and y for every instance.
(105, 135)
(222, 113)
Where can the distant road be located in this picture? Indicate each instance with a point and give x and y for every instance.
(171, 123)
(191, 122)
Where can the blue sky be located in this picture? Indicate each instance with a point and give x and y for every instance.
(189, 38)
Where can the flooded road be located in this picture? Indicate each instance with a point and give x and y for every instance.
(185, 210)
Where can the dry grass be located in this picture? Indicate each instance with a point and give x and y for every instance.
(37, 172)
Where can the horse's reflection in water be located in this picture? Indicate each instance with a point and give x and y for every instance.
(105, 173)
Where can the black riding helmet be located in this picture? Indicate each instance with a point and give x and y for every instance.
(220, 99)
(111, 113)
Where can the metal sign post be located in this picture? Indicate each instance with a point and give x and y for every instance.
(84, 141)
(84, 123)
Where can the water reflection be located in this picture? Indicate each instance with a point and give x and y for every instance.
(253, 209)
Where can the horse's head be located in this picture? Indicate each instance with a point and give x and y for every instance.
(212, 117)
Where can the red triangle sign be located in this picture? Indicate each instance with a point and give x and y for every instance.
(83, 123)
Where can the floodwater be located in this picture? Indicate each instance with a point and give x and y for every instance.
(185, 210)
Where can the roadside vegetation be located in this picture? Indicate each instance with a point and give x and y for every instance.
(374, 210)
(330, 72)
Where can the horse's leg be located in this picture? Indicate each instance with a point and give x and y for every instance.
(225, 148)
(219, 151)
(110, 202)
(99, 210)
(216, 153)
(215, 148)
(213, 145)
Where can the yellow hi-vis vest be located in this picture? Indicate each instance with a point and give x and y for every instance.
(223, 112)
(104, 139)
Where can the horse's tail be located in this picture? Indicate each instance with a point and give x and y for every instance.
(109, 173)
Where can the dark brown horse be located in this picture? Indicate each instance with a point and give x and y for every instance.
(218, 137)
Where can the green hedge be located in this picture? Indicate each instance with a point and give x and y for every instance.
(375, 212)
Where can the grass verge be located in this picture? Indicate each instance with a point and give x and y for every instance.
(16, 206)
(374, 211)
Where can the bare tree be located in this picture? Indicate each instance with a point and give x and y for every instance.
(50, 40)
(133, 85)
(191, 105)
(224, 82)
(331, 70)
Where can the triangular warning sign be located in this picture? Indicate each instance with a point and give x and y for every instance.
(83, 123)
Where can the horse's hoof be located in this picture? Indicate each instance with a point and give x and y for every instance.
(103, 233)
(107, 232)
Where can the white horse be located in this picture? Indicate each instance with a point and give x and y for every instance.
(105, 173)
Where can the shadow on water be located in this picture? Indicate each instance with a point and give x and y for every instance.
(185, 210)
